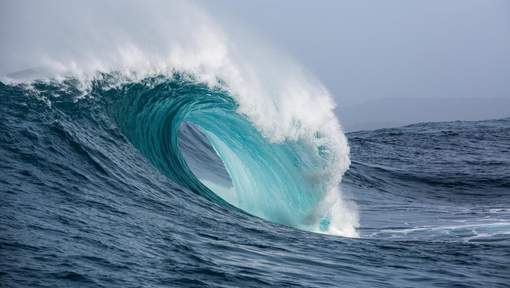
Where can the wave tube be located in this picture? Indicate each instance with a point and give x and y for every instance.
(285, 182)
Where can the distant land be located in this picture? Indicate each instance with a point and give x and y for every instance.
(394, 112)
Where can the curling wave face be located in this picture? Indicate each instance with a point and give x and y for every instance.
(291, 181)
(284, 182)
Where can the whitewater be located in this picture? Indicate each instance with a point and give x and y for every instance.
(150, 149)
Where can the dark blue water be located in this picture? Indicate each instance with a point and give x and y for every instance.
(95, 193)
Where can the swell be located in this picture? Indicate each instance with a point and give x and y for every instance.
(448, 160)
(445, 181)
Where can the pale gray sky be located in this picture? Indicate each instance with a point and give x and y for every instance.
(451, 56)
(368, 51)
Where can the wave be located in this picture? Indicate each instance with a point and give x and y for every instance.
(290, 181)
(271, 123)
(441, 160)
(445, 181)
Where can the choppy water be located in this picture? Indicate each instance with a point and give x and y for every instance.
(130, 186)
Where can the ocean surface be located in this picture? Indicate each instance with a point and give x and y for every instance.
(164, 182)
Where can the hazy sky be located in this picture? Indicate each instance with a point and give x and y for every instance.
(369, 51)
